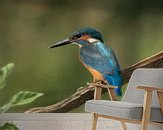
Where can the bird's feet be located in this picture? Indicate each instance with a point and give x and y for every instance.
(98, 83)
(94, 82)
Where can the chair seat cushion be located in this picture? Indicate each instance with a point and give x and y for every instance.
(125, 110)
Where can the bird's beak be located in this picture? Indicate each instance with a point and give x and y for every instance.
(62, 43)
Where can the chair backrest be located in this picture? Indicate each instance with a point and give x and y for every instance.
(152, 77)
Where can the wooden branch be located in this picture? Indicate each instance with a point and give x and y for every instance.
(155, 61)
(86, 93)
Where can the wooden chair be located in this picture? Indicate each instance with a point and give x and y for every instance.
(142, 103)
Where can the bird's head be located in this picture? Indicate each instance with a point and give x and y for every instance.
(81, 37)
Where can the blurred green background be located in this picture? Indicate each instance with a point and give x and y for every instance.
(133, 28)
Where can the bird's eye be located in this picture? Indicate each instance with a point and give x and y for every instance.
(77, 36)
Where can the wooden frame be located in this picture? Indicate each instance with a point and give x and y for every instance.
(146, 106)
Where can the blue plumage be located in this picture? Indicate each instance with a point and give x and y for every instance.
(99, 59)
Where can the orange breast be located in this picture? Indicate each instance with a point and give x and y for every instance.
(97, 75)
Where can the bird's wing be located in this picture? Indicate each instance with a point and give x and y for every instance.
(107, 61)
(109, 67)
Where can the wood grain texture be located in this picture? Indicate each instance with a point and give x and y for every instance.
(124, 125)
(150, 88)
(97, 93)
(146, 109)
(160, 98)
(94, 121)
(86, 93)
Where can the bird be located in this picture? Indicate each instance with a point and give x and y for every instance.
(98, 58)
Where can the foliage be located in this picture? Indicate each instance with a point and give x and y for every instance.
(21, 98)
(8, 126)
(4, 72)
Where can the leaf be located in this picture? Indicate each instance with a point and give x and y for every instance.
(24, 97)
(4, 72)
(21, 98)
(5, 107)
(8, 126)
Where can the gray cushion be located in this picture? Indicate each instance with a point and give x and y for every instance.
(151, 77)
(121, 109)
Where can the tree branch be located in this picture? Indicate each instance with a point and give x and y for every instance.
(86, 93)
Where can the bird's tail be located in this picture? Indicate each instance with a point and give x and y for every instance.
(115, 81)
(118, 91)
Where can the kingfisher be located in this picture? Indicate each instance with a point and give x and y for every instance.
(96, 56)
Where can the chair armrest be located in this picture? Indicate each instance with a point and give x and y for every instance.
(102, 85)
(147, 88)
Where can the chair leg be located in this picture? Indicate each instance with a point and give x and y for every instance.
(146, 109)
(94, 122)
(124, 125)
(160, 98)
